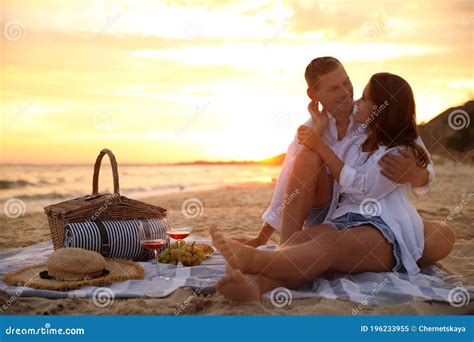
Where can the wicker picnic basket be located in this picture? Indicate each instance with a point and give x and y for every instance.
(105, 206)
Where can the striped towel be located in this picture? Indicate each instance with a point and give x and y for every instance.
(120, 237)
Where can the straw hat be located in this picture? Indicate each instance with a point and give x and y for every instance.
(71, 268)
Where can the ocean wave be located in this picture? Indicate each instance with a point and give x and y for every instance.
(43, 182)
(137, 189)
(20, 183)
(171, 186)
(47, 196)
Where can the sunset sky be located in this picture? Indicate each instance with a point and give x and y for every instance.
(167, 81)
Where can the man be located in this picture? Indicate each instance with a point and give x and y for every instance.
(300, 199)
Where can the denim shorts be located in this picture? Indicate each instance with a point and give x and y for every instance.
(353, 220)
(317, 216)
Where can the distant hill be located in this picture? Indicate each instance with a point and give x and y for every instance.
(451, 133)
(277, 160)
(204, 162)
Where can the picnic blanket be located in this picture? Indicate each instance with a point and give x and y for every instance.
(432, 284)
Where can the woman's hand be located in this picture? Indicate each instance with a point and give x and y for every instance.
(309, 137)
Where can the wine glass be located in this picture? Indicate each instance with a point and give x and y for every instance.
(179, 234)
(147, 240)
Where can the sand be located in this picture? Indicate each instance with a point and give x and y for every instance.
(237, 210)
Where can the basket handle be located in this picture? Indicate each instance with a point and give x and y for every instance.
(113, 162)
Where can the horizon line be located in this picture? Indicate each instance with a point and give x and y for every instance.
(196, 162)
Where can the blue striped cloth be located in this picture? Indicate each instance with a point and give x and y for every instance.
(123, 237)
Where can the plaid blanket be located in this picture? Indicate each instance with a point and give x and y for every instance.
(432, 284)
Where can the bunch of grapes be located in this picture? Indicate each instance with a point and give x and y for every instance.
(191, 255)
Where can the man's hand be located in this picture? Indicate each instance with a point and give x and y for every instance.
(320, 119)
(403, 169)
(310, 137)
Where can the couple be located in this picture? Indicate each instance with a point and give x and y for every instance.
(342, 199)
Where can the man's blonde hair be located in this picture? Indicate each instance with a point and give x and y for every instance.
(319, 67)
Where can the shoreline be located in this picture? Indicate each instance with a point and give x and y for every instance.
(37, 205)
(35, 223)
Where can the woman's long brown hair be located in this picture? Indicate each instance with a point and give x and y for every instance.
(393, 122)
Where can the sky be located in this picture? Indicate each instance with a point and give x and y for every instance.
(175, 81)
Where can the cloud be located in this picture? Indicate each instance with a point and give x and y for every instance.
(397, 22)
(336, 21)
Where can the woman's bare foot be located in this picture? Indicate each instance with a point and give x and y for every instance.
(239, 256)
(239, 286)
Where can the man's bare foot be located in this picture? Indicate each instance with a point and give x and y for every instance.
(265, 233)
(238, 255)
(240, 286)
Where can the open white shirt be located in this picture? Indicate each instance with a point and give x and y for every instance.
(363, 189)
(273, 214)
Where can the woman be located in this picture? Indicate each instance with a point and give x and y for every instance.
(371, 225)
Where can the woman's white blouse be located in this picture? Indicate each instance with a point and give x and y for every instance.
(363, 189)
(273, 214)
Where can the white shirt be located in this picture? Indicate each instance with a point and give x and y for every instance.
(273, 214)
(363, 189)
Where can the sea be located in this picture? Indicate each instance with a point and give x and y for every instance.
(26, 189)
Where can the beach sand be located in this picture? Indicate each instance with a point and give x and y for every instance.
(236, 210)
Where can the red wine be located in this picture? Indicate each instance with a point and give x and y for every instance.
(153, 245)
(179, 234)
